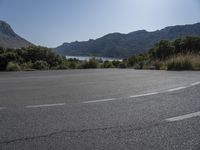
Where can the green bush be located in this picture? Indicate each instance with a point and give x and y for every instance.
(26, 56)
(122, 65)
(41, 65)
(62, 66)
(181, 54)
(162, 50)
(139, 65)
(116, 63)
(93, 63)
(12, 66)
(107, 64)
(83, 65)
(72, 65)
(159, 65)
(26, 66)
(6, 57)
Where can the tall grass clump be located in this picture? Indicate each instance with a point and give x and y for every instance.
(13, 66)
(184, 62)
(41, 65)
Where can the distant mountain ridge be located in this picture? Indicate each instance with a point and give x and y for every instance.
(123, 45)
(9, 39)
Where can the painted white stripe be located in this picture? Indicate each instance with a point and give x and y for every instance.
(183, 117)
(2, 108)
(195, 83)
(45, 105)
(142, 95)
(176, 89)
(101, 100)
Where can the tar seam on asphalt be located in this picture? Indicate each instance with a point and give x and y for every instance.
(124, 128)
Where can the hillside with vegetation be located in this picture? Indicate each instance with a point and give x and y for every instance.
(9, 39)
(119, 45)
(180, 54)
(33, 57)
(42, 58)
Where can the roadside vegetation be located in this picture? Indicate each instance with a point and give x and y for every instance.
(34, 57)
(181, 54)
(42, 58)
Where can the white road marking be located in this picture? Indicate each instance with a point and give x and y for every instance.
(45, 105)
(142, 95)
(101, 100)
(112, 99)
(176, 89)
(1, 108)
(196, 114)
(195, 83)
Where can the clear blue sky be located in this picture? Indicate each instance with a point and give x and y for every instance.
(52, 22)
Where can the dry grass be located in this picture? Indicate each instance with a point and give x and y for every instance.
(184, 62)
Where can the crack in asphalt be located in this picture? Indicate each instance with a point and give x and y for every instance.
(121, 128)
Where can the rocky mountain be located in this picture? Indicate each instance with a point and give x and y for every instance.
(9, 39)
(123, 45)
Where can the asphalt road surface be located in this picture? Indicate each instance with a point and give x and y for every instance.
(100, 109)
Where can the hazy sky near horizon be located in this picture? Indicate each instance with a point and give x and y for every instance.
(53, 22)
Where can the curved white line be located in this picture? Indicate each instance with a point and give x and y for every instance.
(142, 95)
(195, 83)
(176, 89)
(45, 105)
(1, 108)
(183, 117)
(101, 100)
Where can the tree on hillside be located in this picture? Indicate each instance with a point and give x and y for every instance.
(163, 50)
(187, 45)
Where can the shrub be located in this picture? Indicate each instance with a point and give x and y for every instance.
(162, 50)
(62, 66)
(72, 65)
(40, 65)
(93, 63)
(32, 54)
(27, 66)
(122, 65)
(116, 63)
(7, 57)
(139, 65)
(159, 65)
(83, 65)
(196, 62)
(108, 64)
(181, 62)
(12, 66)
